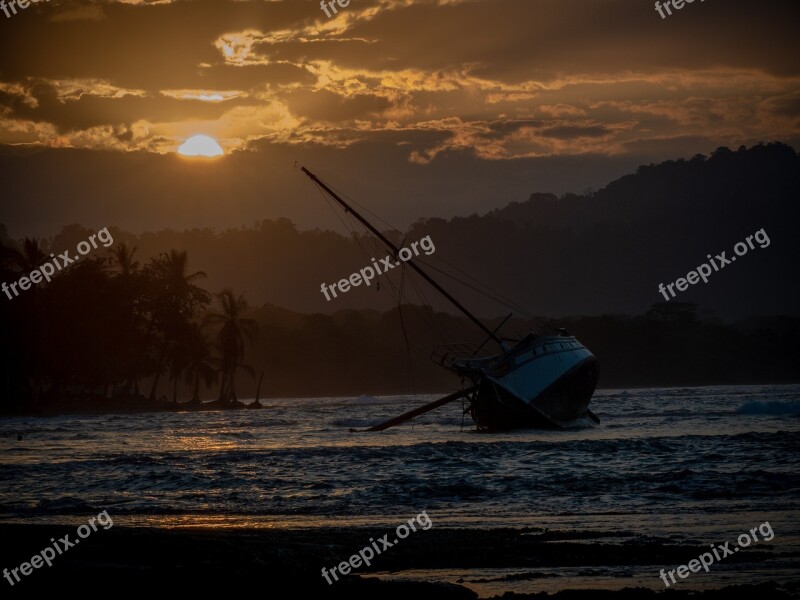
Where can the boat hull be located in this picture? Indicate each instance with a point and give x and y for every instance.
(542, 382)
(565, 401)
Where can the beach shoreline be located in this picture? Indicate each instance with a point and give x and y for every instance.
(194, 558)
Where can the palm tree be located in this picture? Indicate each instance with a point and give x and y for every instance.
(178, 361)
(238, 364)
(201, 366)
(174, 265)
(25, 260)
(133, 329)
(234, 330)
(124, 256)
(175, 303)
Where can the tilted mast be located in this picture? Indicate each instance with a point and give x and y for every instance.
(411, 264)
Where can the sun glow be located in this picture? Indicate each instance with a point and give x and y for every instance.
(200, 145)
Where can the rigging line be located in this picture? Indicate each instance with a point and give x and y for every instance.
(475, 320)
(410, 368)
(379, 248)
(417, 349)
(361, 206)
(348, 226)
(510, 303)
(394, 289)
(429, 320)
(367, 237)
(376, 246)
(358, 239)
(488, 292)
(496, 297)
(424, 317)
(343, 194)
(432, 321)
(328, 202)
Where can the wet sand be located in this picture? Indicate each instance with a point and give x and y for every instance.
(288, 563)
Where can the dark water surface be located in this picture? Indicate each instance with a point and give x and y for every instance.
(686, 465)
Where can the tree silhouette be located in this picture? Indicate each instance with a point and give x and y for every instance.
(134, 327)
(201, 365)
(174, 301)
(30, 257)
(234, 330)
(124, 257)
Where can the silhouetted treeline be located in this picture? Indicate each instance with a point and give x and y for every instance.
(105, 325)
(604, 252)
(102, 329)
(364, 352)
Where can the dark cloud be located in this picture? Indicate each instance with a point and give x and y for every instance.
(566, 132)
(91, 111)
(323, 105)
(786, 106)
(157, 46)
(225, 77)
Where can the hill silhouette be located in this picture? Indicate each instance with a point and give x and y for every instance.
(602, 252)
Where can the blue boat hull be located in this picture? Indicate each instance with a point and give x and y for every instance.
(542, 382)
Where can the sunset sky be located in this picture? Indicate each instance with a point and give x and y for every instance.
(418, 107)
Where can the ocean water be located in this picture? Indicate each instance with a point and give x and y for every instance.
(686, 465)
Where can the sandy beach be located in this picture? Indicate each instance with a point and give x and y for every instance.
(282, 563)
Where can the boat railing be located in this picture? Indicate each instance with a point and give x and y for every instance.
(446, 355)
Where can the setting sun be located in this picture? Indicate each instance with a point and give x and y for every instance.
(200, 145)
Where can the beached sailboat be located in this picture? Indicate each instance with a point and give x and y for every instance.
(538, 381)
